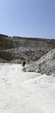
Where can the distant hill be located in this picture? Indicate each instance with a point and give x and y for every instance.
(24, 48)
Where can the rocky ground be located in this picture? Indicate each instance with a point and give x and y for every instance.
(45, 64)
(40, 53)
(25, 92)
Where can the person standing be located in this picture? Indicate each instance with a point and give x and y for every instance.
(24, 64)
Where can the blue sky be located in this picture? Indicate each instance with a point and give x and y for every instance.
(28, 18)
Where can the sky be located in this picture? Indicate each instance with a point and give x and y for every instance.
(28, 18)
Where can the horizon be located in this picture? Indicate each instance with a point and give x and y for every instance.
(28, 18)
(27, 37)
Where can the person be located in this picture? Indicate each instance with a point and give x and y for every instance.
(24, 64)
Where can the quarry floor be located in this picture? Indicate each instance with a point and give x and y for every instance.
(25, 92)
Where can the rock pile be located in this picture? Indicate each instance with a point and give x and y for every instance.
(45, 64)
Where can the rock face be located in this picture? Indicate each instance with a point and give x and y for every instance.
(45, 64)
(24, 48)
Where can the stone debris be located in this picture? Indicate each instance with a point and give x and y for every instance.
(45, 64)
